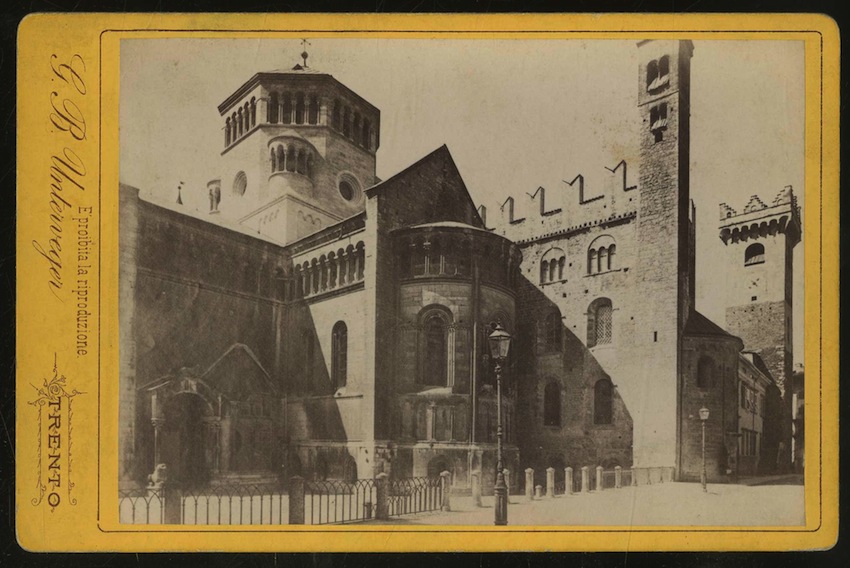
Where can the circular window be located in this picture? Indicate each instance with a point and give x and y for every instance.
(348, 187)
(240, 183)
(346, 190)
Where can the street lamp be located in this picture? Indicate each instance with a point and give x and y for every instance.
(500, 344)
(703, 416)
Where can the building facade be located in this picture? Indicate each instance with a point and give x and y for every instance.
(322, 322)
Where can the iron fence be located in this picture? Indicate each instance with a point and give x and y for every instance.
(220, 504)
(334, 501)
(414, 495)
(141, 507)
(609, 480)
(627, 477)
(250, 504)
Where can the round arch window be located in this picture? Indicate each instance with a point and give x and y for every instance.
(240, 183)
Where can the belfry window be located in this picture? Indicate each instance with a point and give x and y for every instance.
(313, 114)
(754, 254)
(273, 108)
(599, 322)
(299, 108)
(339, 355)
(336, 116)
(658, 121)
(603, 396)
(552, 405)
(287, 109)
(658, 73)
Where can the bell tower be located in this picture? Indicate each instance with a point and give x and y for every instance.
(759, 244)
(298, 150)
(663, 268)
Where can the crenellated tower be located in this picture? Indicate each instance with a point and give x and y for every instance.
(298, 150)
(759, 243)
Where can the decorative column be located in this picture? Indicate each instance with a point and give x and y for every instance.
(158, 424)
(550, 482)
(450, 365)
(224, 437)
(568, 480)
(357, 262)
(213, 426)
(529, 483)
(618, 477)
(343, 268)
(585, 479)
(599, 478)
(431, 422)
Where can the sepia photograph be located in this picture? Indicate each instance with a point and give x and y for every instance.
(454, 282)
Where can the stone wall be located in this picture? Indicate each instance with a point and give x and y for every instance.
(720, 397)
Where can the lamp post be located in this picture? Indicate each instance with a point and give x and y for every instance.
(500, 344)
(703, 416)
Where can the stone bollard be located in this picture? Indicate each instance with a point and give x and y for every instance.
(296, 500)
(382, 502)
(476, 488)
(599, 478)
(538, 491)
(585, 479)
(446, 484)
(568, 481)
(550, 482)
(529, 483)
(507, 475)
(618, 477)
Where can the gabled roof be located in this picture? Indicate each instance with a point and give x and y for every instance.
(698, 324)
(441, 154)
(235, 351)
(228, 383)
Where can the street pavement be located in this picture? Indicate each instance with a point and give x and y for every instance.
(778, 503)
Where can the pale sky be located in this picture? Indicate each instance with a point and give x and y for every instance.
(515, 114)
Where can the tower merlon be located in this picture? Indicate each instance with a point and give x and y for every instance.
(760, 219)
(508, 212)
(540, 197)
(581, 199)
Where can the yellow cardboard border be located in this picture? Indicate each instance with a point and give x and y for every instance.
(45, 329)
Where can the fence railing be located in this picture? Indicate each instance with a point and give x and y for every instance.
(302, 502)
(334, 502)
(141, 507)
(221, 504)
(253, 504)
(414, 495)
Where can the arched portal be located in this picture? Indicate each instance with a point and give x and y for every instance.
(185, 441)
(438, 465)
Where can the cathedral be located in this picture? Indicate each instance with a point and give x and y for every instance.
(319, 321)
